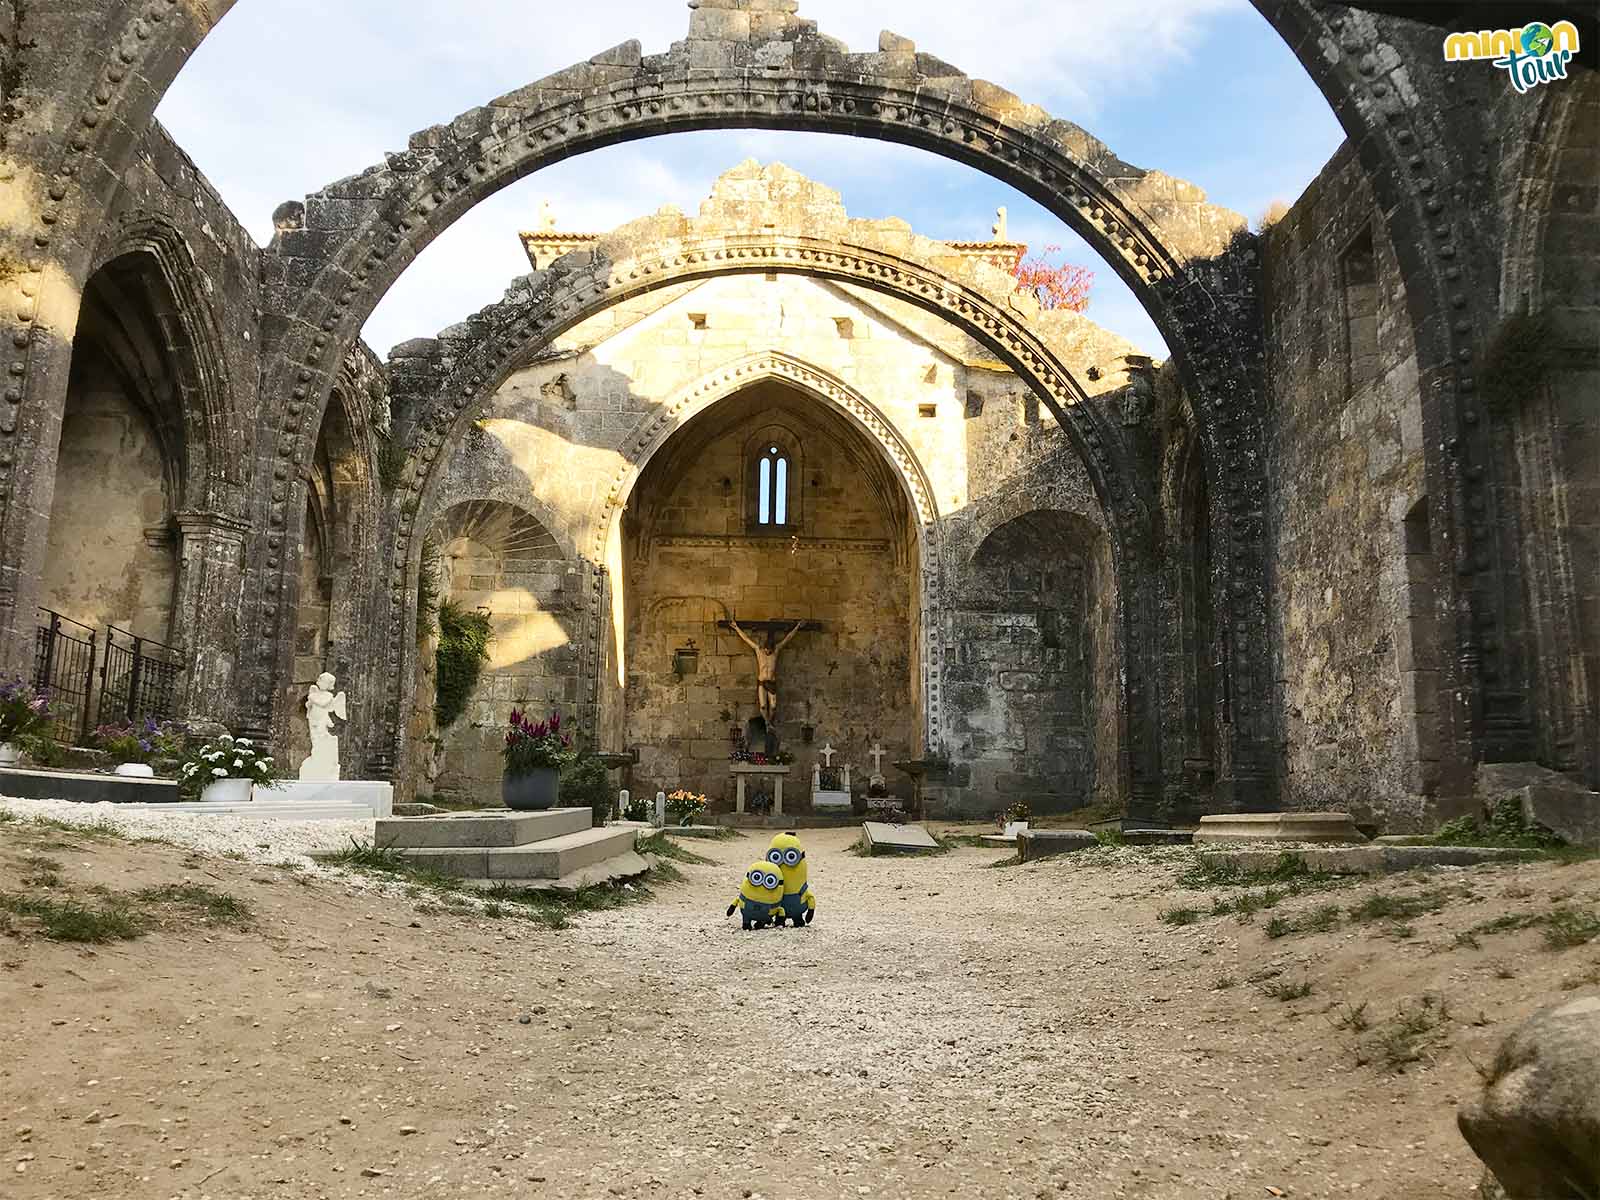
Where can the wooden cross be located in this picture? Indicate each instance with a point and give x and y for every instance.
(806, 625)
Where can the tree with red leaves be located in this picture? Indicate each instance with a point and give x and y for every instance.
(1057, 285)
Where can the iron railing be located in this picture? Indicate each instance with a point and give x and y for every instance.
(63, 668)
(139, 679)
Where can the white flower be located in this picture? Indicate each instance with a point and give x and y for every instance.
(238, 762)
(228, 738)
(218, 771)
(244, 742)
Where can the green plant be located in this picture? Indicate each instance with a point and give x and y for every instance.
(535, 745)
(1018, 811)
(1224, 982)
(585, 783)
(1279, 927)
(1178, 916)
(464, 637)
(1502, 825)
(1565, 928)
(427, 588)
(23, 710)
(391, 463)
(226, 758)
(43, 750)
(141, 742)
(638, 808)
(1353, 1018)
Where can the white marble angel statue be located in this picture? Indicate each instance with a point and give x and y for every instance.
(322, 706)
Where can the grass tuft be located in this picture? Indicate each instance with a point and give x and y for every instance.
(1282, 989)
(662, 846)
(112, 920)
(199, 901)
(1179, 916)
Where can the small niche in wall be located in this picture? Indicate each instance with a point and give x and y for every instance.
(1358, 277)
(974, 404)
(927, 410)
(697, 320)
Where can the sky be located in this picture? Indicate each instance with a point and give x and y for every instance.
(287, 96)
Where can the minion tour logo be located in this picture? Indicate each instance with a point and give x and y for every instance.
(1534, 54)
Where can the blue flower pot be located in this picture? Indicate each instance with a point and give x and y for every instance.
(536, 791)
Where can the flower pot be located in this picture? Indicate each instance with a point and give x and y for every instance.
(534, 792)
(10, 755)
(226, 791)
(135, 770)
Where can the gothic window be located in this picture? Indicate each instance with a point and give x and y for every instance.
(772, 487)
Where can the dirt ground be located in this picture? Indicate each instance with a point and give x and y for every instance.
(944, 1029)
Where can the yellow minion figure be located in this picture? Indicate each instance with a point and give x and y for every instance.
(799, 901)
(760, 896)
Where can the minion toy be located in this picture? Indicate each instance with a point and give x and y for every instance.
(799, 901)
(760, 896)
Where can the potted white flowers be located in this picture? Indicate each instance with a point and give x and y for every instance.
(224, 771)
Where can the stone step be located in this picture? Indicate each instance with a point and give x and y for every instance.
(549, 858)
(471, 831)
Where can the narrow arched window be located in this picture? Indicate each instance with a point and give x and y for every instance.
(772, 487)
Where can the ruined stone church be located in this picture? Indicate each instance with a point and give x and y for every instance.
(1339, 552)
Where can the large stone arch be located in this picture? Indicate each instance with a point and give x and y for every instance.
(1381, 75)
(473, 364)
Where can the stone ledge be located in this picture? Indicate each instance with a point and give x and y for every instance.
(86, 788)
(1296, 827)
(1370, 860)
(1034, 844)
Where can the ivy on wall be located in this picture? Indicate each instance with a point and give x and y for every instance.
(464, 636)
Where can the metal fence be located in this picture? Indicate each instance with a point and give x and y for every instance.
(139, 679)
(63, 667)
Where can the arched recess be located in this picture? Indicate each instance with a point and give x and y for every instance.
(1193, 650)
(597, 554)
(500, 559)
(1548, 420)
(146, 312)
(682, 556)
(338, 560)
(1038, 714)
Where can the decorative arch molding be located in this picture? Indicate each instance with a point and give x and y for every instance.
(464, 369)
(177, 302)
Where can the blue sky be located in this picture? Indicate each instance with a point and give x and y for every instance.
(287, 96)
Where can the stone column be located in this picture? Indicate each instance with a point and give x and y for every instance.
(206, 608)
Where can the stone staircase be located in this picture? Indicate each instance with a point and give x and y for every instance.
(558, 848)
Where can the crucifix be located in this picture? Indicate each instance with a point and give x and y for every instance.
(876, 754)
(767, 657)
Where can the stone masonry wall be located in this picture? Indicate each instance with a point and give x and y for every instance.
(1358, 644)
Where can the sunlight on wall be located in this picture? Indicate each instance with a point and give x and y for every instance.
(520, 637)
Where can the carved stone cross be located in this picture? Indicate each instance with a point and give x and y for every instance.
(877, 754)
(827, 753)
